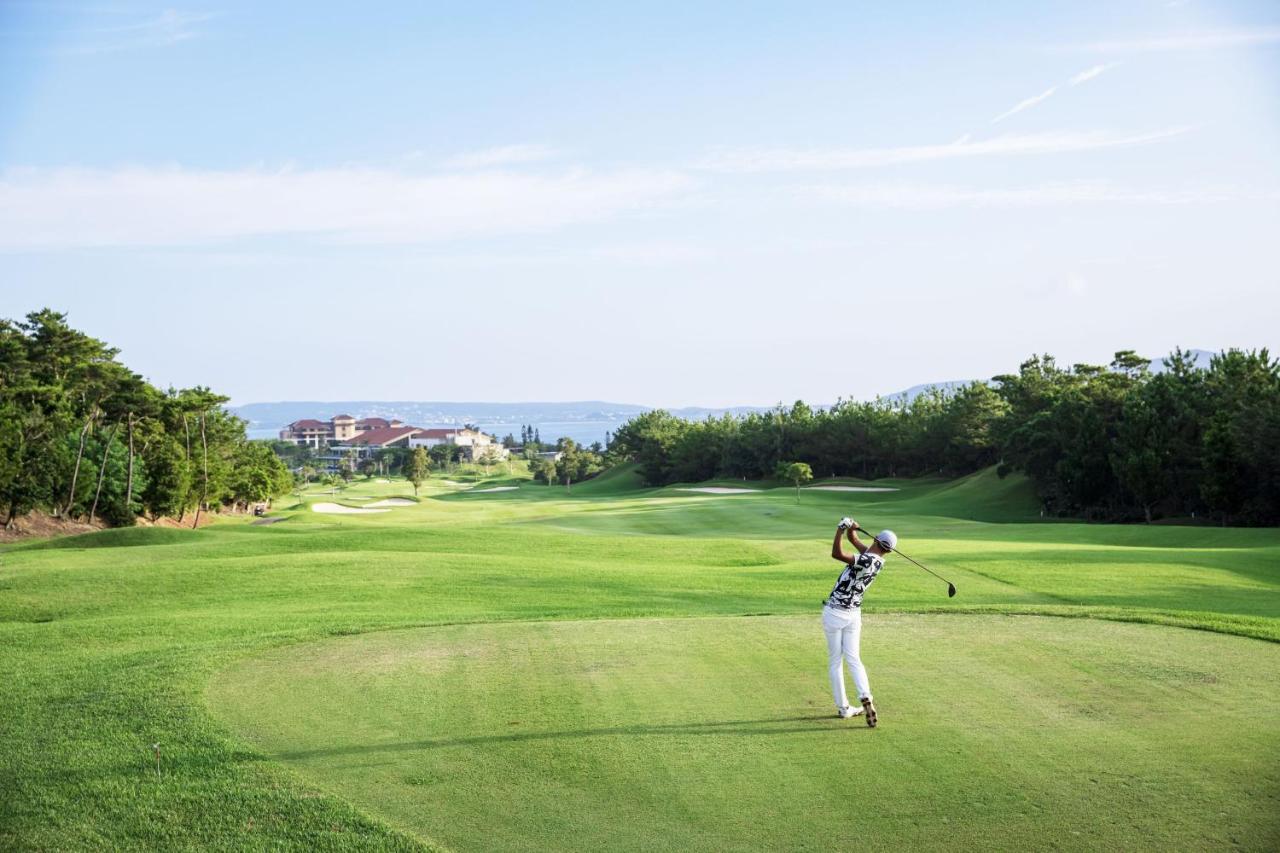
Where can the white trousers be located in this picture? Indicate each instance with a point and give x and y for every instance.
(844, 636)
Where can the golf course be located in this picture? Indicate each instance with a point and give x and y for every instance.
(495, 664)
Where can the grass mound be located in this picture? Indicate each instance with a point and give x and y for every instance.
(616, 481)
(982, 496)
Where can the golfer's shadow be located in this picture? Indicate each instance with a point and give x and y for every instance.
(737, 728)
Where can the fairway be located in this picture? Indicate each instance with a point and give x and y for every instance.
(717, 734)
(613, 666)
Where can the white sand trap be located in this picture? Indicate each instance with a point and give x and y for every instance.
(393, 502)
(382, 480)
(452, 483)
(339, 509)
(496, 489)
(851, 489)
(720, 490)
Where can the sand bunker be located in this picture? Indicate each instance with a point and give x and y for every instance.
(339, 509)
(851, 489)
(720, 490)
(496, 489)
(393, 502)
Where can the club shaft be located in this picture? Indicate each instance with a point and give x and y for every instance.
(921, 565)
(905, 557)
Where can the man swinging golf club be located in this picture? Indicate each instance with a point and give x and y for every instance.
(842, 614)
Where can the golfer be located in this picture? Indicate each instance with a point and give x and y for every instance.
(842, 615)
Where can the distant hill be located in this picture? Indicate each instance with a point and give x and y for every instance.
(431, 413)
(1201, 358)
(584, 421)
(916, 390)
(276, 415)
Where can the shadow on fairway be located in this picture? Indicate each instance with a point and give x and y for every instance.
(728, 727)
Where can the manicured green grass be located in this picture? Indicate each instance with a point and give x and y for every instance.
(114, 641)
(717, 734)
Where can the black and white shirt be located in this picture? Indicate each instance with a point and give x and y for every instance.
(854, 580)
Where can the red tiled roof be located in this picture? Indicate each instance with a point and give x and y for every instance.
(435, 433)
(383, 436)
(343, 418)
(308, 424)
(373, 423)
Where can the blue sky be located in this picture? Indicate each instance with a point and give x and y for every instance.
(668, 204)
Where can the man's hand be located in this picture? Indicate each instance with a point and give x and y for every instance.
(852, 533)
(847, 523)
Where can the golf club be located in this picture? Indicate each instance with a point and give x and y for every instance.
(951, 588)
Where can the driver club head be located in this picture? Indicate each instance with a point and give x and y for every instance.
(951, 590)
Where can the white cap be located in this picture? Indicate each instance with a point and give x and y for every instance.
(887, 538)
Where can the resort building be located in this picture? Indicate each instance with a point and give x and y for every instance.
(320, 434)
(474, 442)
(343, 433)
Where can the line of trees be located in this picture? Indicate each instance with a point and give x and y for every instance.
(1113, 442)
(82, 436)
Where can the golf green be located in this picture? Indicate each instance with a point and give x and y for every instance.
(719, 734)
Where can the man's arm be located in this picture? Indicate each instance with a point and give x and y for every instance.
(853, 537)
(837, 548)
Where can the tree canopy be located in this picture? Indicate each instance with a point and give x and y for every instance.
(82, 436)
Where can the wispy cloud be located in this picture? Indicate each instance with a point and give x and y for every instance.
(1090, 73)
(1025, 104)
(1195, 40)
(790, 159)
(170, 27)
(937, 196)
(1083, 77)
(64, 208)
(503, 155)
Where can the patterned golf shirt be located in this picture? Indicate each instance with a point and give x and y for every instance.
(854, 580)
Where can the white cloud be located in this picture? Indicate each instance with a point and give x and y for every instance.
(62, 208)
(937, 196)
(791, 159)
(1076, 285)
(1090, 73)
(1025, 104)
(1197, 40)
(503, 155)
(1083, 77)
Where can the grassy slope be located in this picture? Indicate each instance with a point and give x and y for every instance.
(107, 641)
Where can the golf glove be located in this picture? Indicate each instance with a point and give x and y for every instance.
(846, 523)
